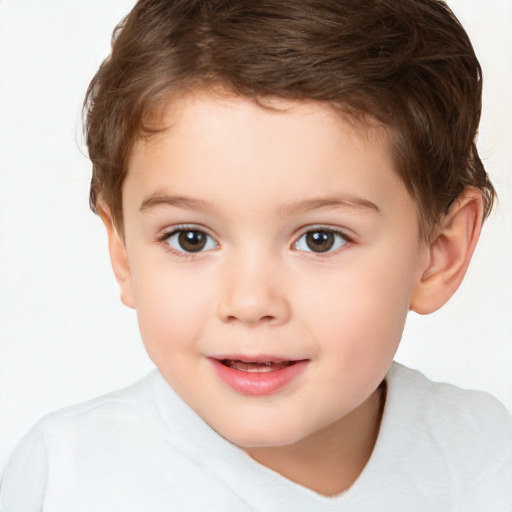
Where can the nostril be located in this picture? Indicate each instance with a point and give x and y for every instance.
(251, 320)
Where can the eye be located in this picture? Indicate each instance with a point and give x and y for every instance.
(191, 240)
(320, 240)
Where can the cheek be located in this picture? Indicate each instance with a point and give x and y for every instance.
(171, 309)
(361, 311)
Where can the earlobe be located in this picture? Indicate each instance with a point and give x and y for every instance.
(118, 258)
(450, 252)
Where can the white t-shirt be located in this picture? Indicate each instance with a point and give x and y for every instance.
(143, 449)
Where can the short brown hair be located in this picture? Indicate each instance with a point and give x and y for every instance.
(407, 63)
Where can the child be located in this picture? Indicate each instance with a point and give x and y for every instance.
(281, 182)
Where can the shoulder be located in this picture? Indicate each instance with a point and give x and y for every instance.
(76, 442)
(109, 409)
(109, 419)
(462, 438)
(117, 406)
(449, 409)
(116, 401)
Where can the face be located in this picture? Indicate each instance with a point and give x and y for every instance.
(271, 257)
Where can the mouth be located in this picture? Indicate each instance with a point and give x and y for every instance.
(256, 367)
(261, 375)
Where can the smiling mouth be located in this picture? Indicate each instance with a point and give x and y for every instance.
(256, 367)
(258, 375)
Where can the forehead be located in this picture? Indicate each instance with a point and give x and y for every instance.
(180, 107)
(271, 121)
(226, 147)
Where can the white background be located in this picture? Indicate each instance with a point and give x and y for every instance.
(64, 335)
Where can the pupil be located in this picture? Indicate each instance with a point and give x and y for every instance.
(192, 241)
(320, 241)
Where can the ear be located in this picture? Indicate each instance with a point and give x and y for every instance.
(118, 258)
(450, 252)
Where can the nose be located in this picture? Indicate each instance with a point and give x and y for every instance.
(252, 293)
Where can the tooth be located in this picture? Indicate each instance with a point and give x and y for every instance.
(254, 367)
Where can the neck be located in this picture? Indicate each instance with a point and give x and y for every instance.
(331, 460)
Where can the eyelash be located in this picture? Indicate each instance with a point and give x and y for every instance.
(326, 230)
(165, 237)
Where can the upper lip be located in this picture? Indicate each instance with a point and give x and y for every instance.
(256, 358)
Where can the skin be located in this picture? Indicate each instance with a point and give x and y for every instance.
(256, 181)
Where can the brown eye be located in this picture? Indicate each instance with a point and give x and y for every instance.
(320, 240)
(191, 240)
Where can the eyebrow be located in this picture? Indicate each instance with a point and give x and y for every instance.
(154, 200)
(343, 201)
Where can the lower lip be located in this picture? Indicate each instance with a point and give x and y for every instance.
(258, 383)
